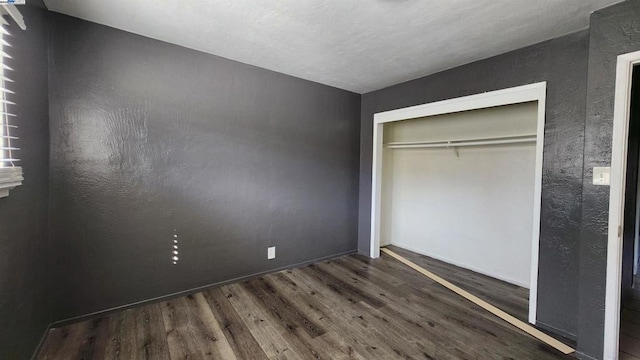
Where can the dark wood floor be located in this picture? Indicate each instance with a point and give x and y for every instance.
(630, 326)
(348, 308)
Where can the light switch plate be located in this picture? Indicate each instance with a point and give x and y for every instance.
(601, 175)
(271, 253)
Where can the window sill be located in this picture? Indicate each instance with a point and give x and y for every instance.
(9, 179)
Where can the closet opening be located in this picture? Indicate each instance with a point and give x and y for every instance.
(459, 181)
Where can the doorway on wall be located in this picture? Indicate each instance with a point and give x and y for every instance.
(624, 212)
(451, 179)
(629, 339)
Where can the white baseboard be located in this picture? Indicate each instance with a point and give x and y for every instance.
(464, 266)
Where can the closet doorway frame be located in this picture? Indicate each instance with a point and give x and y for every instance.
(515, 95)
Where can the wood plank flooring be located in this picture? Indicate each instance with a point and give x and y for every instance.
(630, 325)
(348, 308)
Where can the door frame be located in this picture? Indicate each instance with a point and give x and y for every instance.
(621, 113)
(515, 95)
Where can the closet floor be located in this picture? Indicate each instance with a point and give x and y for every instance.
(630, 326)
(347, 308)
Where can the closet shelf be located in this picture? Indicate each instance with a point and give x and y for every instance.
(511, 139)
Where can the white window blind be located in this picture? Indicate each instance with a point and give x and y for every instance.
(10, 169)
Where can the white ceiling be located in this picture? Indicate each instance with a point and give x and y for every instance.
(357, 45)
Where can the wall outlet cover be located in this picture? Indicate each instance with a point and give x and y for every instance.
(601, 175)
(271, 253)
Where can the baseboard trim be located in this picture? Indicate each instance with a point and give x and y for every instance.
(97, 314)
(462, 265)
(39, 347)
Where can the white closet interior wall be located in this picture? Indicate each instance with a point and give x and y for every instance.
(473, 209)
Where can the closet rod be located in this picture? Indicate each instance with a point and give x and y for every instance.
(458, 143)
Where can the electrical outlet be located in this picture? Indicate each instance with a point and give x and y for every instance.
(271, 252)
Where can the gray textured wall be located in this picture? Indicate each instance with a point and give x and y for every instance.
(614, 31)
(24, 301)
(561, 62)
(148, 137)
